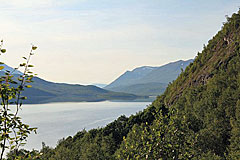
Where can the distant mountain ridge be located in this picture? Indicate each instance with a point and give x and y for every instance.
(7, 68)
(130, 77)
(43, 91)
(151, 80)
(150, 89)
(196, 118)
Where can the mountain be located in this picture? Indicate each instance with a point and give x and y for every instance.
(129, 77)
(43, 91)
(148, 80)
(196, 118)
(150, 89)
(12, 70)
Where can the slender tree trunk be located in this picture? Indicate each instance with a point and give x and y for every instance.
(5, 129)
(3, 149)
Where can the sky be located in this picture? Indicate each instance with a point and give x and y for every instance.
(95, 41)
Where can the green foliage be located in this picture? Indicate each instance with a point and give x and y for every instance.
(23, 154)
(234, 147)
(164, 139)
(101, 143)
(13, 132)
(197, 117)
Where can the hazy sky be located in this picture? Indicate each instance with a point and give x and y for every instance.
(94, 41)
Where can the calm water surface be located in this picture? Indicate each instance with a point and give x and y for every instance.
(58, 120)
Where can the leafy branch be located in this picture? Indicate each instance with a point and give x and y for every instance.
(13, 132)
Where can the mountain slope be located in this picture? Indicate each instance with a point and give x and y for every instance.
(129, 77)
(10, 69)
(166, 73)
(197, 117)
(140, 81)
(150, 89)
(44, 91)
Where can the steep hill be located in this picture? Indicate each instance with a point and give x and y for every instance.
(148, 80)
(197, 117)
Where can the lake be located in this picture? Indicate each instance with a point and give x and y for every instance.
(57, 120)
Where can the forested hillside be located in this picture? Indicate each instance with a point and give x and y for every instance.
(197, 117)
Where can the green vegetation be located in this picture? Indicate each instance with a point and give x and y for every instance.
(13, 132)
(197, 117)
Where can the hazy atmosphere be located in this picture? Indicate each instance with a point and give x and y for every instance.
(94, 41)
(120, 79)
